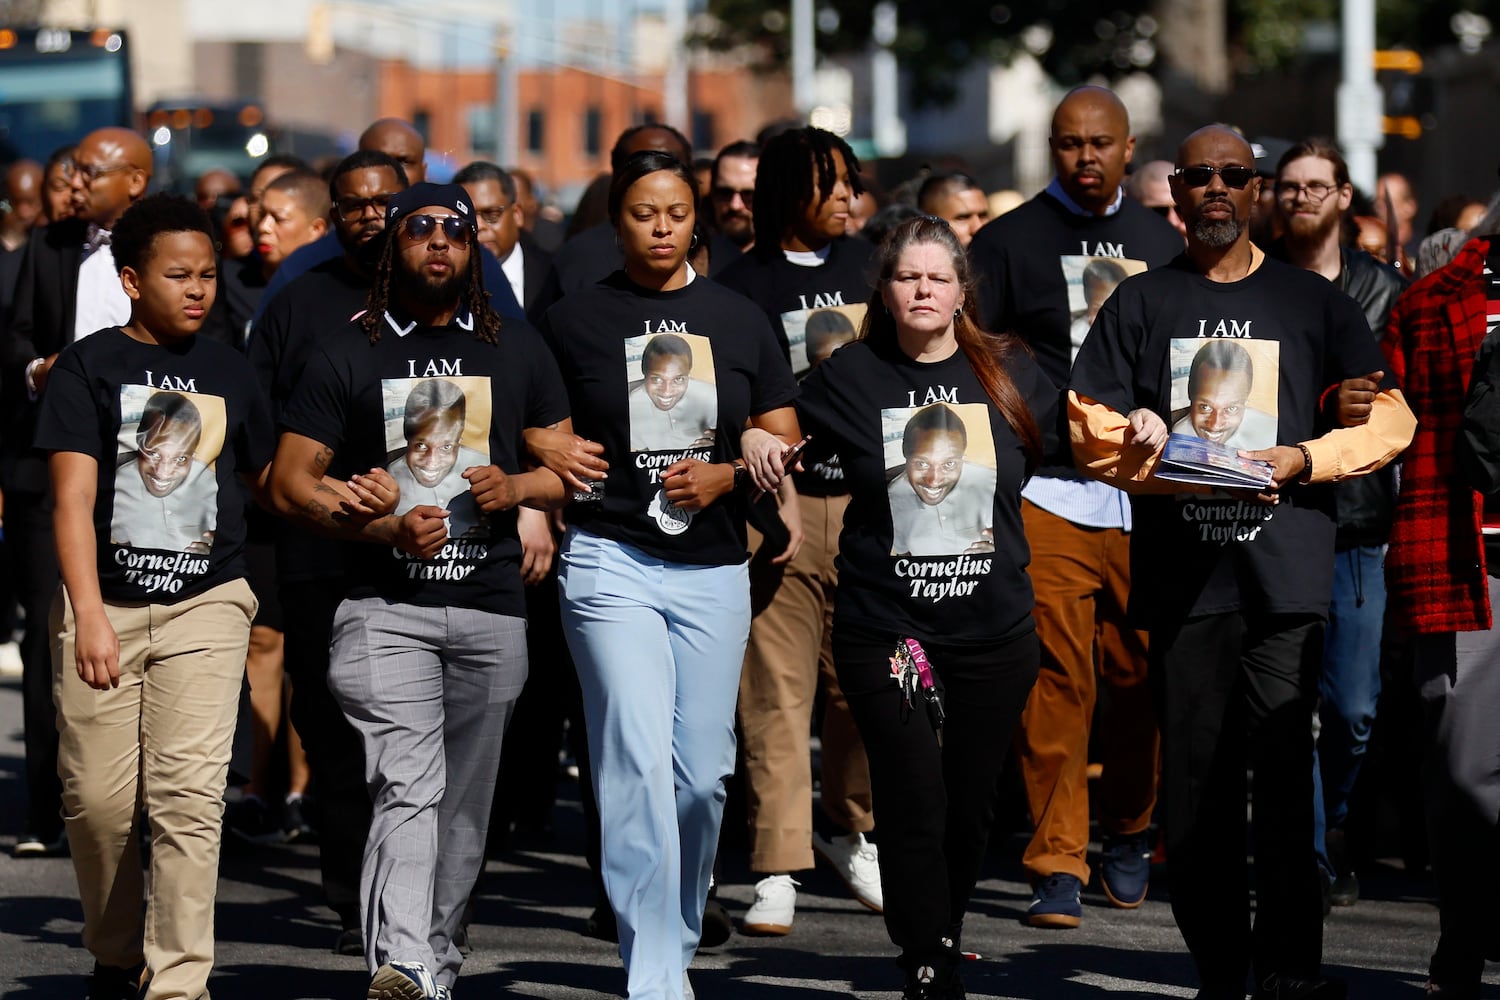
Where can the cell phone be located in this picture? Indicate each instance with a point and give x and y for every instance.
(790, 457)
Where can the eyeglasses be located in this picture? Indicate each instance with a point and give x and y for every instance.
(1316, 191)
(725, 193)
(419, 227)
(493, 216)
(1201, 176)
(88, 173)
(1161, 210)
(352, 208)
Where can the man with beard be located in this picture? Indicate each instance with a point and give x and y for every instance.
(1036, 266)
(316, 307)
(1233, 589)
(402, 143)
(429, 638)
(1312, 194)
(733, 192)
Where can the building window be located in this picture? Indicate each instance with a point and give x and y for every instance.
(536, 131)
(703, 131)
(592, 126)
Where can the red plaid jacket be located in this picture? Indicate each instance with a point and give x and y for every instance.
(1435, 572)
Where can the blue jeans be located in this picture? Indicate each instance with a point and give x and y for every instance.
(658, 647)
(1348, 686)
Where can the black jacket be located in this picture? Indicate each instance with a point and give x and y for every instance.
(1366, 505)
(40, 324)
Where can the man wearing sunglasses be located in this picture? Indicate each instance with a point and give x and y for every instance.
(1036, 266)
(298, 321)
(1312, 194)
(429, 639)
(733, 192)
(1233, 587)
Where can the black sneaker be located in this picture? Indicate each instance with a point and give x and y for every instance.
(1344, 891)
(39, 845)
(295, 827)
(351, 941)
(249, 820)
(1125, 869)
(601, 924)
(110, 983)
(1056, 902)
(717, 926)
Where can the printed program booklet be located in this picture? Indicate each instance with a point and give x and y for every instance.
(1191, 459)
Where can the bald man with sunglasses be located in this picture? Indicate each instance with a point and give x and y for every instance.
(1233, 586)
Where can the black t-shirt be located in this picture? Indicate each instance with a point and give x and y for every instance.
(657, 377)
(1043, 271)
(814, 311)
(1242, 363)
(316, 306)
(427, 403)
(933, 546)
(171, 427)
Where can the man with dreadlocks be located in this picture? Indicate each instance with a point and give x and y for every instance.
(429, 642)
(806, 275)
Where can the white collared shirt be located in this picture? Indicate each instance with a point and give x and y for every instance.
(101, 301)
(514, 269)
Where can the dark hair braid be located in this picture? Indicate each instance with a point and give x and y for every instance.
(796, 169)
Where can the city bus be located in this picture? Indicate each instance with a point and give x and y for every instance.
(57, 85)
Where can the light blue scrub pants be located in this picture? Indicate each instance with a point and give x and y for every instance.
(658, 647)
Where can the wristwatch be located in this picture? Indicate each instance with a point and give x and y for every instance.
(741, 474)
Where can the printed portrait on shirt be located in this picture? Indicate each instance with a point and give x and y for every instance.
(813, 334)
(674, 401)
(436, 429)
(166, 491)
(940, 474)
(1225, 390)
(1091, 281)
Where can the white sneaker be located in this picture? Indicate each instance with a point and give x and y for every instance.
(774, 908)
(858, 864)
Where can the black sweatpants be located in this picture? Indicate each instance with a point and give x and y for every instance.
(1236, 691)
(935, 803)
(28, 518)
(334, 754)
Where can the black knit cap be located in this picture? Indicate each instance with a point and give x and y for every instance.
(422, 195)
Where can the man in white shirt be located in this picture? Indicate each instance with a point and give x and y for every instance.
(67, 289)
(501, 229)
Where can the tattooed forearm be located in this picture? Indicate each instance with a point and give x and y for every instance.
(322, 459)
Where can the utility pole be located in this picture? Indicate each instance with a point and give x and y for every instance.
(675, 100)
(1360, 102)
(507, 96)
(804, 56)
(889, 130)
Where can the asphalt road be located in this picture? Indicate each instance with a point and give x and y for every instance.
(274, 937)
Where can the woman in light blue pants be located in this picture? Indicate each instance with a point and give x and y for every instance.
(655, 589)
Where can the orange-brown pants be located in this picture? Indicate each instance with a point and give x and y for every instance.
(787, 660)
(1082, 581)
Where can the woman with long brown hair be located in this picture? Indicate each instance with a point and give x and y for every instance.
(937, 424)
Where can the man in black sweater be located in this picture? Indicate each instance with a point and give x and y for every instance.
(1044, 270)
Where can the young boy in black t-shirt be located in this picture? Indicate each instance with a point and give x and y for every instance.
(147, 426)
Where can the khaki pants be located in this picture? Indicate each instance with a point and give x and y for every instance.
(160, 742)
(1082, 581)
(788, 658)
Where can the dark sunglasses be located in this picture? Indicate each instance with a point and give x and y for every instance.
(726, 194)
(1200, 176)
(419, 227)
(1162, 210)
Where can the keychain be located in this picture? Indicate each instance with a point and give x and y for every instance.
(913, 675)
